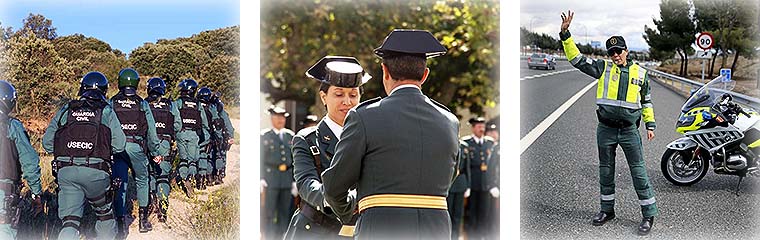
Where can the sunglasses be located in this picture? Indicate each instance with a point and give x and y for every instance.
(614, 51)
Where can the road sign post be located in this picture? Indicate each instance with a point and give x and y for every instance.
(705, 42)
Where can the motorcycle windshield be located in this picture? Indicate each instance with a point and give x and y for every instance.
(708, 94)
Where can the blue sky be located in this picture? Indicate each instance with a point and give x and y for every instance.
(125, 24)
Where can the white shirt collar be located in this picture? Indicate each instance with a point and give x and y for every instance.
(404, 86)
(276, 131)
(477, 139)
(334, 127)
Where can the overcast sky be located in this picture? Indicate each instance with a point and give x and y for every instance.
(594, 20)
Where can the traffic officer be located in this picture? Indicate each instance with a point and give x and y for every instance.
(340, 89)
(82, 136)
(191, 136)
(228, 138)
(277, 174)
(17, 158)
(399, 151)
(479, 204)
(210, 150)
(623, 98)
(168, 122)
(140, 128)
(455, 200)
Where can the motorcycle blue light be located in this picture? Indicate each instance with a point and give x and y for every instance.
(706, 116)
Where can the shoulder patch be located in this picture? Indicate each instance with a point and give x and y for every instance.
(488, 138)
(265, 131)
(463, 143)
(367, 102)
(466, 138)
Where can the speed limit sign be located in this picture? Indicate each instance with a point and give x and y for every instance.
(705, 41)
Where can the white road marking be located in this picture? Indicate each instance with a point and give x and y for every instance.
(528, 140)
(548, 74)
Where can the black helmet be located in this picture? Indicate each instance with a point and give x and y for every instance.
(156, 86)
(187, 87)
(92, 84)
(204, 94)
(7, 97)
(128, 81)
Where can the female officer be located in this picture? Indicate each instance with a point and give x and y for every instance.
(313, 147)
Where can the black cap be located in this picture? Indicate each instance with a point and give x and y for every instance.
(616, 42)
(310, 119)
(410, 42)
(475, 120)
(492, 127)
(278, 110)
(339, 71)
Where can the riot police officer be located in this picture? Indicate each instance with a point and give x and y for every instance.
(82, 136)
(228, 134)
(140, 128)
(191, 136)
(17, 158)
(168, 122)
(208, 151)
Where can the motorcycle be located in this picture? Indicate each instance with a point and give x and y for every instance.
(717, 132)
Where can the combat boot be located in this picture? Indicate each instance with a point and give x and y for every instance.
(145, 225)
(188, 185)
(121, 228)
(163, 205)
(210, 179)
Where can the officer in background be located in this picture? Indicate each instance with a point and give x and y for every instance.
(479, 204)
(310, 121)
(228, 138)
(140, 128)
(168, 122)
(492, 179)
(17, 158)
(210, 150)
(623, 99)
(82, 136)
(191, 136)
(461, 185)
(277, 173)
(399, 151)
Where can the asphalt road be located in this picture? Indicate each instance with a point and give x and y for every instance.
(559, 173)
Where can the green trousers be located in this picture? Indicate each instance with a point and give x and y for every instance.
(78, 184)
(6, 231)
(189, 151)
(607, 140)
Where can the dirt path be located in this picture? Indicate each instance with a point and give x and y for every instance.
(180, 207)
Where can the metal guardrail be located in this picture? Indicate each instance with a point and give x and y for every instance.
(684, 86)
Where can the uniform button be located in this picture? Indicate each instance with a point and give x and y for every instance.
(282, 147)
(269, 169)
(282, 152)
(283, 159)
(308, 226)
(318, 208)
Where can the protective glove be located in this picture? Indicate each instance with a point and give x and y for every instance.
(294, 190)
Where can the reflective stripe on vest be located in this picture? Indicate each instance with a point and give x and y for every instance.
(609, 83)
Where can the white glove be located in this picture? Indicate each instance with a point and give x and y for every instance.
(467, 193)
(294, 190)
(494, 192)
(263, 185)
(352, 193)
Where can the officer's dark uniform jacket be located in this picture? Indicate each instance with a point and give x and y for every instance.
(313, 149)
(227, 130)
(402, 145)
(17, 154)
(478, 159)
(277, 158)
(84, 132)
(462, 181)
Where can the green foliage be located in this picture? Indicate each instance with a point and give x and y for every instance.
(296, 34)
(545, 42)
(38, 25)
(675, 31)
(733, 25)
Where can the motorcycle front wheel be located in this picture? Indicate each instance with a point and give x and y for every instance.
(678, 172)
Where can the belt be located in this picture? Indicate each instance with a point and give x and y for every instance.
(403, 200)
(346, 231)
(615, 123)
(100, 166)
(134, 140)
(318, 217)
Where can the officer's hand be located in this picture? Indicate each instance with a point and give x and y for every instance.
(494, 192)
(230, 141)
(37, 205)
(294, 190)
(650, 135)
(158, 159)
(263, 185)
(566, 19)
(467, 193)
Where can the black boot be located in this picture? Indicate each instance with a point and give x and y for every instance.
(121, 228)
(188, 185)
(646, 225)
(210, 180)
(145, 225)
(602, 217)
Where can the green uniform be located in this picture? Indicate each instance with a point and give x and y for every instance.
(479, 202)
(623, 99)
(82, 179)
(461, 183)
(159, 179)
(189, 141)
(206, 161)
(228, 132)
(135, 156)
(16, 148)
(277, 171)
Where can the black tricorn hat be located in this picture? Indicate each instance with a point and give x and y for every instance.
(278, 111)
(475, 120)
(310, 119)
(412, 42)
(339, 71)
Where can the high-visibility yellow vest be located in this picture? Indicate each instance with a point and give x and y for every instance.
(609, 83)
